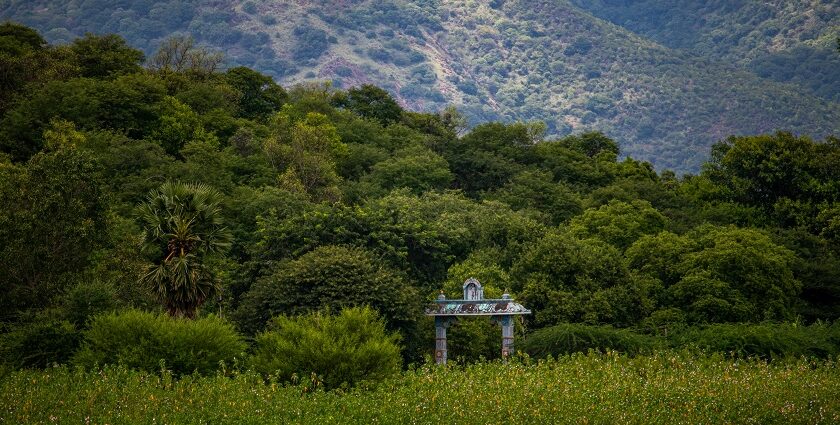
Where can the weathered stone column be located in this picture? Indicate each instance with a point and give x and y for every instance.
(440, 340)
(507, 336)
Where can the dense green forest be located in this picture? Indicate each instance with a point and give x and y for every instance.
(179, 188)
(664, 79)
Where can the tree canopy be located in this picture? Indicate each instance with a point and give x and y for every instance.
(235, 195)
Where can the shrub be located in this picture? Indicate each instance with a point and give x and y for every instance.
(342, 350)
(140, 340)
(330, 277)
(87, 299)
(311, 43)
(39, 344)
(569, 338)
(765, 340)
(249, 7)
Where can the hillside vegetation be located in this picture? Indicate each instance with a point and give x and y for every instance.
(181, 242)
(664, 93)
(186, 190)
(786, 41)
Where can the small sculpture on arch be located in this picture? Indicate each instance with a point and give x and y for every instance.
(473, 291)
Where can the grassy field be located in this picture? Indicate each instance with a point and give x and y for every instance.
(665, 388)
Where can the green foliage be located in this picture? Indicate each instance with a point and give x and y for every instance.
(148, 342)
(789, 178)
(127, 104)
(569, 338)
(720, 274)
(15, 37)
(87, 299)
(644, 389)
(104, 56)
(342, 350)
(131, 168)
(330, 277)
(659, 256)
(418, 169)
(536, 190)
(766, 341)
(619, 223)
(371, 102)
(488, 156)
(53, 217)
(183, 231)
(178, 125)
(39, 344)
(260, 95)
(305, 151)
(574, 167)
(562, 278)
(422, 235)
(26, 60)
(746, 261)
(342, 198)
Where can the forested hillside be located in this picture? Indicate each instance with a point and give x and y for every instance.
(665, 93)
(783, 40)
(192, 190)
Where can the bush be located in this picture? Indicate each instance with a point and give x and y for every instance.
(570, 338)
(342, 350)
(311, 43)
(140, 340)
(39, 344)
(88, 299)
(766, 340)
(330, 277)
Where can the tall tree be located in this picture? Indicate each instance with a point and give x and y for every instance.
(183, 232)
(52, 218)
(371, 102)
(180, 54)
(101, 56)
(260, 94)
(26, 61)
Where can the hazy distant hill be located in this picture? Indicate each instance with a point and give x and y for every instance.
(785, 40)
(665, 99)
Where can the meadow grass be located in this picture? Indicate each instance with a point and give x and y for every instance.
(667, 387)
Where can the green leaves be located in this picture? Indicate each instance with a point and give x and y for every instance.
(105, 56)
(372, 102)
(331, 277)
(183, 230)
(339, 351)
(720, 274)
(145, 341)
(619, 223)
(418, 169)
(177, 125)
(260, 95)
(53, 217)
(562, 278)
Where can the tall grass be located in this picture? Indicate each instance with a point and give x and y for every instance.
(667, 387)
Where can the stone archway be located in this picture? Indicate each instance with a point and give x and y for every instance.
(447, 311)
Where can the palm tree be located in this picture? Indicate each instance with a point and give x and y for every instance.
(182, 231)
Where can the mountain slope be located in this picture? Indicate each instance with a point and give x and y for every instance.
(508, 60)
(784, 40)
